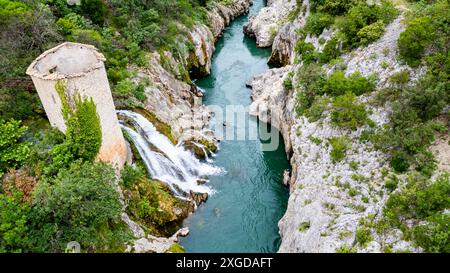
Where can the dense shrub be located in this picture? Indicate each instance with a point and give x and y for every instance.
(13, 223)
(331, 50)
(366, 20)
(96, 10)
(414, 39)
(311, 79)
(363, 236)
(370, 33)
(306, 52)
(334, 7)
(83, 133)
(348, 113)
(400, 161)
(80, 204)
(434, 236)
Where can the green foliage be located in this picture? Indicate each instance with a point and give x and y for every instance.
(317, 109)
(317, 22)
(13, 223)
(287, 83)
(392, 183)
(399, 162)
(414, 39)
(427, 27)
(412, 130)
(334, 7)
(10, 8)
(175, 248)
(363, 236)
(293, 14)
(370, 33)
(304, 226)
(311, 79)
(331, 50)
(348, 113)
(83, 133)
(131, 174)
(365, 23)
(354, 165)
(435, 235)
(13, 151)
(340, 146)
(337, 84)
(17, 103)
(400, 78)
(306, 52)
(80, 204)
(129, 94)
(346, 249)
(95, 10)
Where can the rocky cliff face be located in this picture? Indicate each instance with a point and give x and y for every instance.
(328, 200)
(170, 96)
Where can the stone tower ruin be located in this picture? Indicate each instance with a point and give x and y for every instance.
(82, 69)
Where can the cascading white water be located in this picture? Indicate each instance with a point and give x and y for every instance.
(171, 164)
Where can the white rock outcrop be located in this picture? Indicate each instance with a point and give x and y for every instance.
(265, 25)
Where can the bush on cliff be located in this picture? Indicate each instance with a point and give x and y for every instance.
(422, 202)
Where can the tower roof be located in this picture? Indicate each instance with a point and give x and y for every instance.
(65, 61)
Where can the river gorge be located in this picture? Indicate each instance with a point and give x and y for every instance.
(249, 199)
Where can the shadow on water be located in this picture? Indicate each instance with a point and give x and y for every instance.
(250, 199)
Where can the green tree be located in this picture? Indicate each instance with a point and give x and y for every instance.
(80, 204)
(95, 10)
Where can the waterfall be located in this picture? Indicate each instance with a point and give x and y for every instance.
(171, 164)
